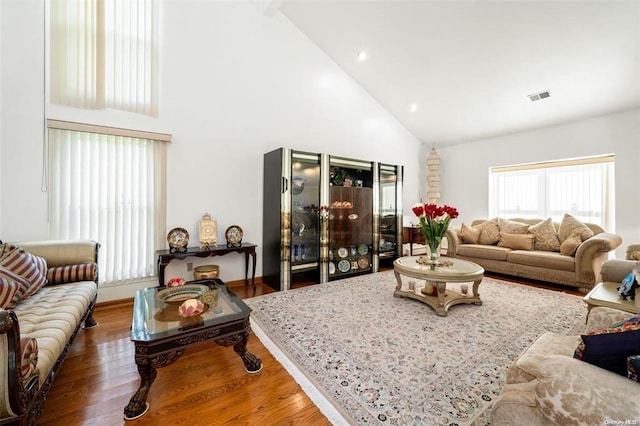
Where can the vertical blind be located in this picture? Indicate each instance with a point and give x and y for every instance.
(104, 54)
(110, 189)
(584, 188)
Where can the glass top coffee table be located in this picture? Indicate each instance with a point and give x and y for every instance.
(450, 270)
(161, 333)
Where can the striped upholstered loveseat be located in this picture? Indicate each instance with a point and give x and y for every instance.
(48, 291)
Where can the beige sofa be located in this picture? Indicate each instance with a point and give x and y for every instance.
(581, 270)
(47, 321)
(547, 386)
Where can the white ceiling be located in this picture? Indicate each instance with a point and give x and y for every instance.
(469, 65)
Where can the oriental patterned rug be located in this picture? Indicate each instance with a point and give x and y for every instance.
(379, 359)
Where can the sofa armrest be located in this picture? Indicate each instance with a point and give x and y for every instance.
(571, 391)
(453, 241)
(592, 253)
(602, 317)
(15, 393)
(616, 269)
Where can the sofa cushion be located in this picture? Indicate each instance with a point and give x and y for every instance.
(542, 259)
(72, 273)
(609, 348)
(527, 366)
(10, 290)
(569, 247)
(51, 316)
(516, 241)
(32, 268)
(483, 251)
(573, 393)
(469, 234)
(570, 225)
(546, 238)
(507, 226)
(489, 232)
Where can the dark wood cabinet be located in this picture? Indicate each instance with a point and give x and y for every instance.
(412, 235)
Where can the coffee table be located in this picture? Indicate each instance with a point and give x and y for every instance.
(161, 335)
(606, 294)
(451, 271)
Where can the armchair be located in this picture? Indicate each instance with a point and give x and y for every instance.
(547, 386)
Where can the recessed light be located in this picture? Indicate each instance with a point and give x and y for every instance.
(362, 56)
(413, 107)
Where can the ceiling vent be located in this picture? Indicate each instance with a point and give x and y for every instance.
(537, 96)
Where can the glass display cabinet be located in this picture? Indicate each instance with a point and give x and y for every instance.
(350, 218)
(390, 212)
(291, 221)
(326, 217)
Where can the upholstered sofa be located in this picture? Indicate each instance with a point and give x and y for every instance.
(546, 385)
(562, 253)
(36, 332)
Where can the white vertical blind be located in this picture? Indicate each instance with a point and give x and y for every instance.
(584, 188)
(110, 189)
(104, 54)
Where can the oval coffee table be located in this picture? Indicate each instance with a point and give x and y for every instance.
(451, 271)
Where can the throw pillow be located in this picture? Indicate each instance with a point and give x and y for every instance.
(633, 367)
(517, 241)
(634, 320)
(15, 280)
(32, 268)
(546, 238)
(507, 226)
(570, 224)
(469, 234)
(71, 273)
(569, 247)
(489, 232)
(609, 348)
(9, 293)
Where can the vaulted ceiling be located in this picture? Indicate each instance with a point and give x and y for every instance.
(469, 66)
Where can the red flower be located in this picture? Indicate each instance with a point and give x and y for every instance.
(434, 222)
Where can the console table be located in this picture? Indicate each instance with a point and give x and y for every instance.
(412, 235)
(249, 249)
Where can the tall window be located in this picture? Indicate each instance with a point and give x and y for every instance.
(108, 185)
(583, 188)
(104, 54)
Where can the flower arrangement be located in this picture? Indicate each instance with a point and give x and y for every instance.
(175, 282)
(434, 222)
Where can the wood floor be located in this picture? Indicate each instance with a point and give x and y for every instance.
(206, 386)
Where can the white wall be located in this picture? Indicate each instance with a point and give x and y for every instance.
(235, 84)
(465, 167)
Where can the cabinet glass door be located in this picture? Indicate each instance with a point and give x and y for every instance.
(350, 218)
(305, 220)
(389, 212)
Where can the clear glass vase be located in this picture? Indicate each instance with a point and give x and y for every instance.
(434, 252)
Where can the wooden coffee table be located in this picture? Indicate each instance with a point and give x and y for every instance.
(452, 271)
(606, 294)
(161, 335)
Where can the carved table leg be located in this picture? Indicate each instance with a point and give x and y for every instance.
(442, 288)
(138, 404)
(239, 341)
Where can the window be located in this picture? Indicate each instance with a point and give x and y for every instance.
(583, 188)
(104, 54)
(108, 185)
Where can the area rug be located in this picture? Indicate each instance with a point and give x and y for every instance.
(380, 359)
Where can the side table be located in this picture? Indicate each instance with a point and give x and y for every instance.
(606, 294)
